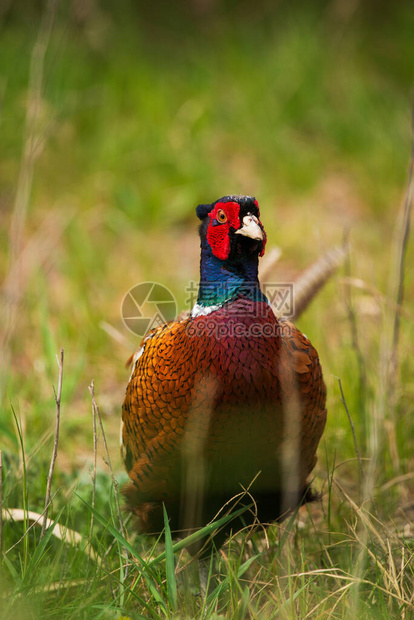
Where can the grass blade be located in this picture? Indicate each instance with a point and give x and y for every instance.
(212, 598)
(202, 533)
(170, 563)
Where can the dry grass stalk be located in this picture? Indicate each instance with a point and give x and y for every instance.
(366, 518)
(1, 505)
(31, 151)
(58, 397)
(400, 250)
(357, 451)
(95, 458)
(108, 461)
(36, 251)
(384, 408)
(389, 349)
(32, 133)
(355, 340)
(384, 405)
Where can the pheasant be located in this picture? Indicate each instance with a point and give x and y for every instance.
(228, 398)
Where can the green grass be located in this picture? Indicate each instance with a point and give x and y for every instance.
(141, 117)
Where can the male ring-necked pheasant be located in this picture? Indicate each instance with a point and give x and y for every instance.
(229, 398)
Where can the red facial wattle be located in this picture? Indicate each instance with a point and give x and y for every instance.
(262, 251)
(217, 233)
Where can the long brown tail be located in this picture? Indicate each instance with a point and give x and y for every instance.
(310, 282)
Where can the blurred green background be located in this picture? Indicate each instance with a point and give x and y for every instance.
(116, 120)
(145, 110)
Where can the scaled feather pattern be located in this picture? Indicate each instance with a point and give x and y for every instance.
(229, 398)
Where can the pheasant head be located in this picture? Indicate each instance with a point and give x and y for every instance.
(232, 227)
(232, 239)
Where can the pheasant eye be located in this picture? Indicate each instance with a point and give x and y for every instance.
(221, 216)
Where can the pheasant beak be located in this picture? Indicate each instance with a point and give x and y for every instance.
(251, 228)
